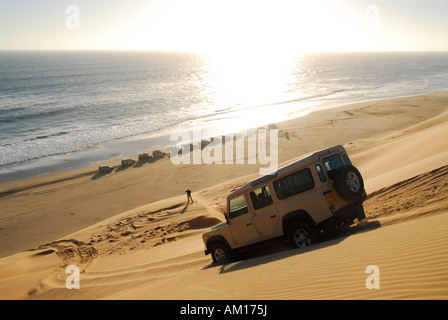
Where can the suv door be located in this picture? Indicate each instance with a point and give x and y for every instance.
(240, 222)
(266, 215)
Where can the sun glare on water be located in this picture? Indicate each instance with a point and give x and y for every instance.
(252, 46)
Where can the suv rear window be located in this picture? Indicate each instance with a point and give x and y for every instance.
(294, 184)
(332, 162)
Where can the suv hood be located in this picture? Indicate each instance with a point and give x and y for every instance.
(219, 226)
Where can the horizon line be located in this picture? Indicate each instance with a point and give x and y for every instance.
(205, 53)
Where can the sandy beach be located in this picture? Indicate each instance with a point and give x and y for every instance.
(133, 236)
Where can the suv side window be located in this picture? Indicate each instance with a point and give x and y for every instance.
(238, 207)
(294, 184)
(261, 198)
(320, 172)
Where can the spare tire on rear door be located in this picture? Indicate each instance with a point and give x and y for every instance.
(349, 183)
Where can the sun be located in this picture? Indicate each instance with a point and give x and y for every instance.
(268, 27)
(219, 27)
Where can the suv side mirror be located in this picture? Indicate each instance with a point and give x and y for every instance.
(227, 217)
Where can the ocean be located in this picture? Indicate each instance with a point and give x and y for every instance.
(61, 110)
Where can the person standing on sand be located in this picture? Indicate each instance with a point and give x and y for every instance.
(188, 192)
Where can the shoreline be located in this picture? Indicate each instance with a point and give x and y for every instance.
(131, 146)
(84, 158)
(125, 147)
(113, 151)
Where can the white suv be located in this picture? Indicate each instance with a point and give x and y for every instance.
(320, 192)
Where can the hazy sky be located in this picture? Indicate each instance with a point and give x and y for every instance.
(220, 26)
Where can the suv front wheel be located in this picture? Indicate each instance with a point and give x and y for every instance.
(221, 254)
(301, 235)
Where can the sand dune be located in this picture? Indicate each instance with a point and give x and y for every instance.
(425, 194)
(404, 153)
(160, 256)
(133, 236)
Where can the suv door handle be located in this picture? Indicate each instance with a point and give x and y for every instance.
(249, 224)
(272, 217)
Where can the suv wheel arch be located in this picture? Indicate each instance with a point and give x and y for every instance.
(296, 216)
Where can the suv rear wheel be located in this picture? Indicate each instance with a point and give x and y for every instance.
(301, 235)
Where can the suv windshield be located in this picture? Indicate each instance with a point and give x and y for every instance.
(238, 207)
